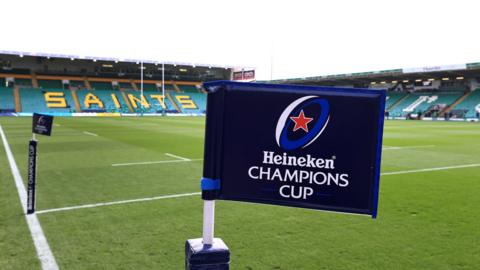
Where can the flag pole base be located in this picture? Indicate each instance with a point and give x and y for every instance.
(200, 256)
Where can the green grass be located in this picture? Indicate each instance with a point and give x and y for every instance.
(427, 220)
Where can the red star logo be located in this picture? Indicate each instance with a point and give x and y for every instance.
(301, 122)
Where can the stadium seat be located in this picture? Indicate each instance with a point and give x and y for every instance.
(7, 101)
(470, 103)
(420, 102)
(148, 86)
(101, 85)
(105, 96)
(125, 85)
(23, 82)
(33, 100)
(195, 103)
(188, 88)
(153, 103)
(50, 84)
(77, 84)
(393, 97)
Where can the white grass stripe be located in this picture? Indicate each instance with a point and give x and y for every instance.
(175, 156)
(44, 253)
(154, 162)
(117, 202)
(90, 133)
(433, 169)
(406, 147)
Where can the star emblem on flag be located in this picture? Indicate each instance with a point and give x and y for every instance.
(301, 121)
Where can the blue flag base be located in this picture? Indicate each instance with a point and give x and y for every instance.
(206, 257)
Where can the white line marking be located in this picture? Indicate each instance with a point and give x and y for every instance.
(44, 253)
(175, 156)
(433, 169)
(198, 193)
(117, 202)
(57, 125)
(90, 133)
(406, 147)
(155, 162)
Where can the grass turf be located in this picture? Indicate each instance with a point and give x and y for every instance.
(427, 220)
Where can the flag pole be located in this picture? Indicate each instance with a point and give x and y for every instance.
(208, 221)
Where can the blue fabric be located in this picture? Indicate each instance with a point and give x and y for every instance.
(210, 184)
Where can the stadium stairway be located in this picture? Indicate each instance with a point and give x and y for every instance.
(469, 103)
(134, 86)
(75, 100)
(87, 83)
(175, 86)
(396, 103)
(16, 95)
(175, 105)
(454, 104)
(34, 80)
(130, 108)
(393, 98)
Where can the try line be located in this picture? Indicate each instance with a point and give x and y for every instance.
(117, 202)
(177, 159)
(90, 133)
(155, 162)
(44, 252)
(386, 147)
(433, 169)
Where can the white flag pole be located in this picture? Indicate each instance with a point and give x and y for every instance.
(208, 221)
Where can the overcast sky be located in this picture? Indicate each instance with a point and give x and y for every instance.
(303, 38)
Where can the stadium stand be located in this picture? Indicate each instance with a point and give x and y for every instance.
(191, 102)
(7, 102)
(393, 98)
(102, 101)
(148, 86)
(50, 84)
(38, 100)
(169, 87)
(101, 85)
(77, 84)
(424, 102)
(152, 104)
(125, 85)
(428, 92)
(188, 88)
(23, 82)
(469, 104)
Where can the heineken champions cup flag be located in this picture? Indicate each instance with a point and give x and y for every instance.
(299, 146)
(41, 124)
